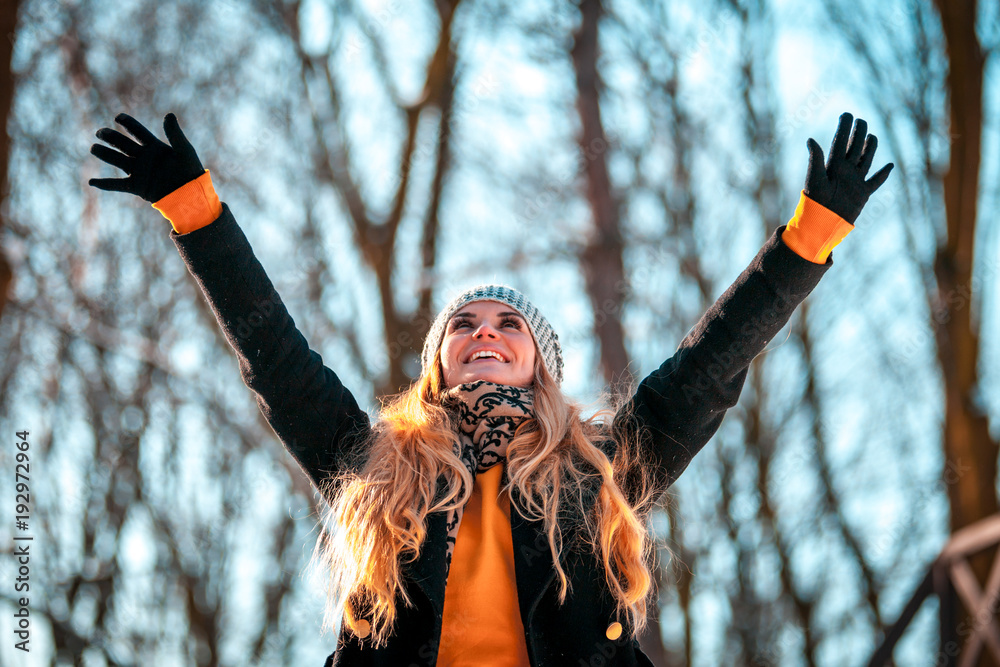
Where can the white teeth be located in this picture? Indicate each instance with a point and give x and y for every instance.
(487, 353)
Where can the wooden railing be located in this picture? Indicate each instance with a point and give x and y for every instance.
(951, 578)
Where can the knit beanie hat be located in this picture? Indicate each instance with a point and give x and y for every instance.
(546, 339)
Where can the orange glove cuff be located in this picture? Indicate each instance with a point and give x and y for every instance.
(814, 230)
(192, 206)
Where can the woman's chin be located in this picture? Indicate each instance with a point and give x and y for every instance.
(496, 377)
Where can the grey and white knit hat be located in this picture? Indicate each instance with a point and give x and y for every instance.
(545, 337)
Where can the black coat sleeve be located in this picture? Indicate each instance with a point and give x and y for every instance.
(314, 415)
(678, 407)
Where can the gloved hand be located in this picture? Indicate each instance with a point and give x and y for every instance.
(840, 185)
(154, 169)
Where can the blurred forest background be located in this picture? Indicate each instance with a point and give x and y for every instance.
(621, 161)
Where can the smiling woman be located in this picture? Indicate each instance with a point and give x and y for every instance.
(482, 520)
(490, 339)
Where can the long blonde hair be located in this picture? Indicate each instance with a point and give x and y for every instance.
(378, 505)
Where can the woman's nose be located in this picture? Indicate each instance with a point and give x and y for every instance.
(484, 330)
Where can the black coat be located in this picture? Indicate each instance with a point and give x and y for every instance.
(677, 409)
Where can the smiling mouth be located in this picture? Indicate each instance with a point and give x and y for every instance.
(487, 354)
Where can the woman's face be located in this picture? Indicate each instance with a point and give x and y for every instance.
(486, 340)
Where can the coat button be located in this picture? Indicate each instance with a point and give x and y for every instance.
(364, 628)
(614, 631)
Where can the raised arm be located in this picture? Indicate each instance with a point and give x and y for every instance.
(314, 415)
(679, 406)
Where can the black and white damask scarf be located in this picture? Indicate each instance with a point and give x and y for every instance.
(486, 415)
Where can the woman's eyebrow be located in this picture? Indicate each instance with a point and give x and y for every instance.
(506, 313)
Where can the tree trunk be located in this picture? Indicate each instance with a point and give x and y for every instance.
(601, 258)
(8, 23)
(970, 454)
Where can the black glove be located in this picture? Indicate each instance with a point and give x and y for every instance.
(154, 169)
(840, 185)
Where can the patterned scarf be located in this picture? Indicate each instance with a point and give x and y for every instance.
(487, 415)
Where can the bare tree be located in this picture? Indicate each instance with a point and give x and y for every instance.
(966, 430)
(601, 259)
(937, 46)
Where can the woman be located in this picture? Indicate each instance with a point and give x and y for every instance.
(481, 520)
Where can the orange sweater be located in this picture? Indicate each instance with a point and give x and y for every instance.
(481, 624)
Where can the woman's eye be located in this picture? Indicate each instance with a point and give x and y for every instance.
(512, 323)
